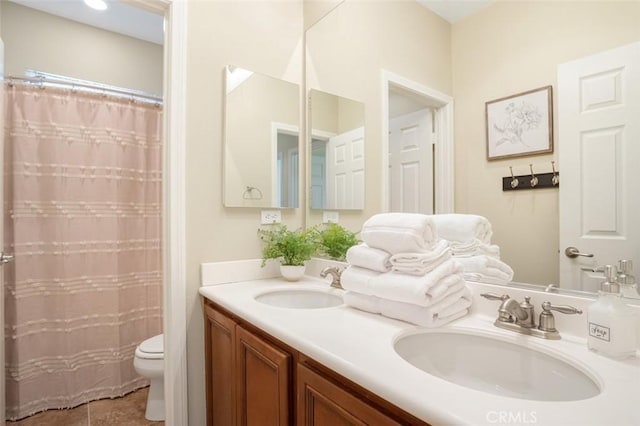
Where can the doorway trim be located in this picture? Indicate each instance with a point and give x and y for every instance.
(173, 210)
(444, 162)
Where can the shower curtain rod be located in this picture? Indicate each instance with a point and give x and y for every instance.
(43, 80)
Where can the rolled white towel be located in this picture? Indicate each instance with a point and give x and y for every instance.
(420, 290)
(454, 307)
(368, 257)
(399, 232)
(463, 227)
(474, 248)
(421, 263)
(487, 266)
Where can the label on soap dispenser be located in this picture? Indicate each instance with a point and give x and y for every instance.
(599, 332)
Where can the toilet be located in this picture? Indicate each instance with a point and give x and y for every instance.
(149, 363)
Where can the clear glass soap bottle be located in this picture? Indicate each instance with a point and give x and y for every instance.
(612, 324)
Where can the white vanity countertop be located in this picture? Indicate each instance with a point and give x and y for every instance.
(359, 346)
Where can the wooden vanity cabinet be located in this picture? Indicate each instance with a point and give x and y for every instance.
(263, 388)
(248, 379)
(254, 379)
(220, 343)
(324, 403)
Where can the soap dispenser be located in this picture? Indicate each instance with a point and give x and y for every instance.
(626, 280)
(612, 324)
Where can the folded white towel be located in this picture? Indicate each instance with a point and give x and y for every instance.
(358, 279)
(420, 290)
(463, 227)
(421, 263)
(433, 316)
(474, 248)
(487, 266)
(485, 279)
(399, 232)
(368, 257)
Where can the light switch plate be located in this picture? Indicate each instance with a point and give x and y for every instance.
(330, 217)
(267, 217)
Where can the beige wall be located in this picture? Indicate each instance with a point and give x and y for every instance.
(262, 36)
(335, 114)
(44, 42)
(346, 53)
(508, 48)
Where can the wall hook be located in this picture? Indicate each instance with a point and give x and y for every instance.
(555, 179)
(534, 179)
(514, 180)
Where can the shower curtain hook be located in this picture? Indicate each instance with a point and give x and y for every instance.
(555, 179)
(514, 180)
(534, 179)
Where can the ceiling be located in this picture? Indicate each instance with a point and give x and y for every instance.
(119, 17)
(134, 22)
(454, 10)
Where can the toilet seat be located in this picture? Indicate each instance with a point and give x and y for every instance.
(152, 348)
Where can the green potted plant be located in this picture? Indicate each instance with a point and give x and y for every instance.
(293, 248)
(334, 241)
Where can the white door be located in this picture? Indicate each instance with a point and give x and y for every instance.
(345, 170)
(411, 163)
(599, 158)
(2, 384)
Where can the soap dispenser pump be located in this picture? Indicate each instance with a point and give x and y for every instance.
(612, 324)
(626, 280)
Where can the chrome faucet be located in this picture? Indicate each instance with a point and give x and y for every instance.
(335, 273)
(520, 317)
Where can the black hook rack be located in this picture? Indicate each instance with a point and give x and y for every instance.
(545, 180)
(532, 180)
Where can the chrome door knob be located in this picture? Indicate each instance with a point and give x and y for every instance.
(6, 258)
(573, 252)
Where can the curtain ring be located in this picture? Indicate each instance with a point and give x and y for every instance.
(534, 179)
(555, 179)
(514, 180)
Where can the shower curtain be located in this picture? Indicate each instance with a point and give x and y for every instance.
(82, 216)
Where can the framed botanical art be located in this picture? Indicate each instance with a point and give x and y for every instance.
(520, 125)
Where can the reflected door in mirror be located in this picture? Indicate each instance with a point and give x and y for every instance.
(411, 163)
(337, 152)
(599, 106)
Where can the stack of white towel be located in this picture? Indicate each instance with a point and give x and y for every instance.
(469, 237)
(403, 270)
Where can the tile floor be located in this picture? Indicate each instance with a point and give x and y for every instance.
(125, 411)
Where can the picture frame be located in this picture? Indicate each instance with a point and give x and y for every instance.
(520, 125)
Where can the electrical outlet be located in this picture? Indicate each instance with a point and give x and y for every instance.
(267, 217)
(330, 217)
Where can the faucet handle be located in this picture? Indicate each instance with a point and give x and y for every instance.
(492, 296)
(547, 320)
(565, 309)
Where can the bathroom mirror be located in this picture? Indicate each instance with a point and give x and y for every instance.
(337, 152)
(473, 61)
(261, 140)
(346, 53)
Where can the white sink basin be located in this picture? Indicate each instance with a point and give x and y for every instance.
(300, 299)
(495, 366)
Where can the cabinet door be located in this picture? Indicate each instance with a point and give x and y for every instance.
(220, 364)
(263, 381)
(322, 403)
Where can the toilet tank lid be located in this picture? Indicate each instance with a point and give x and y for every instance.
(153, 345)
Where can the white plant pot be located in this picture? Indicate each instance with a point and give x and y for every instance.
(292, 273)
